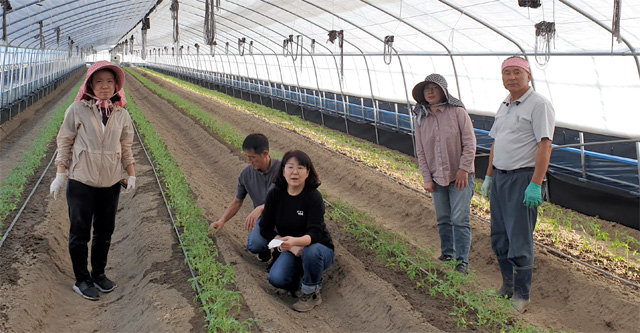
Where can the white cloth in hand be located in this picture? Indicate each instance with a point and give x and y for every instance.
(131, 184)
(58, 184)
(275, 243)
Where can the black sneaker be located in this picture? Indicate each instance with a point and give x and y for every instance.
(264, 256)
(445, 258)
(461, 268)
(103, 284)
(86, 290)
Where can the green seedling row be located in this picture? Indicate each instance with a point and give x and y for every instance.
(225, 131)
(472, 307)
(215, 279)
(13, 186)
(475, 308)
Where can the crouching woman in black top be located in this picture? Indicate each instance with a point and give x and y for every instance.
(296, 210)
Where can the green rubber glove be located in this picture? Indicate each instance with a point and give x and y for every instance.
(486, 187)
(533, 195)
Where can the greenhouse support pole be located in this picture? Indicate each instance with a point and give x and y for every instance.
(584, 169)
(21, 80)
(638, 159)
(3, 77)
(12, 77)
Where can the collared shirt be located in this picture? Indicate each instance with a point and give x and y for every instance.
(94, 155)
(257, 183)
(445, 142)
(517, 129)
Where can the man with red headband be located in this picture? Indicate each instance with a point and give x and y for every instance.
(519, 158)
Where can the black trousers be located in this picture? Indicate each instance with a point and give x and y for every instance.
(91, 205)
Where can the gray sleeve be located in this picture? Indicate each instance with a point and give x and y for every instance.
(543, 119)
(241, 191)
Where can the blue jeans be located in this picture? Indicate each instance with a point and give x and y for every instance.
(452, 212)
(255, 242)
(288, 268)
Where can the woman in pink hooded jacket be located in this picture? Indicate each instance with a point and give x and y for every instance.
(94, 146)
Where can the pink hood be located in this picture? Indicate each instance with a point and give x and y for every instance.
(103, 64)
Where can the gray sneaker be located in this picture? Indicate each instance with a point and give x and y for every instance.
(86, 290)
(306, 302)
(103, 284)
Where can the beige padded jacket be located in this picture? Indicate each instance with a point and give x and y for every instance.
(91, 156)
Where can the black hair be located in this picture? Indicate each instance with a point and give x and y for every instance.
(256, 142)
(312, 181)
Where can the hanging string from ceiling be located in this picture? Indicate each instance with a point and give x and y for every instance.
(545, 33)
(251, 48)
(241, 43)
(70, 45)
(615, 25)
(40, 36)
(58, 36)
(210, 21)
(146, 24)
(388, 44)
(6, 6)
(339, 35)
(175, 6)
(313, 46)
(131, 45)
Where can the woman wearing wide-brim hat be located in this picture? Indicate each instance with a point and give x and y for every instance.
(94, 146)
(446, 147)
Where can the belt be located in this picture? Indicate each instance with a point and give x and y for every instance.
(527, 169)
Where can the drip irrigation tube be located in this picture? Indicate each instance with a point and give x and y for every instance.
(15, 219)
(173, 222)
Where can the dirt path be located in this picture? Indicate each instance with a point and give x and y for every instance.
(353, 298)
(564, 296)
(153, 293)
(28, 123)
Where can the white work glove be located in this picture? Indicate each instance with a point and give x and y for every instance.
(131, 184)
(58, 184)
(486, 187)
